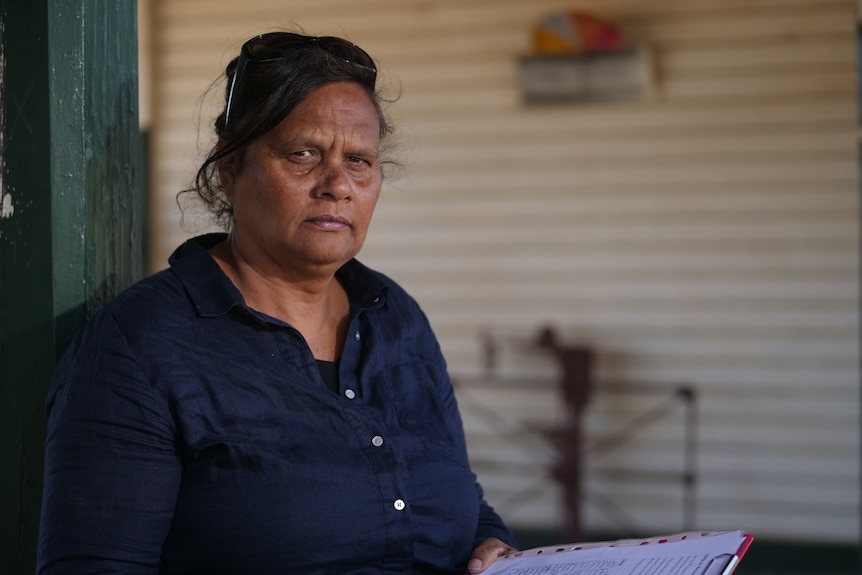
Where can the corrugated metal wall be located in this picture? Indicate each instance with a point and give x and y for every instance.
(708, 235)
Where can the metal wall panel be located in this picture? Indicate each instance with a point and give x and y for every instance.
(708, 234)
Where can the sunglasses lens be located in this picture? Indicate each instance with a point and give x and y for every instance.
(346, 51)
(279, 44)
(272, 46)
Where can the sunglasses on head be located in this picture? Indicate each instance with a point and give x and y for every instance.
(277, 45)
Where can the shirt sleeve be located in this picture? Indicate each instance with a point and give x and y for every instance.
(491, 524)
(112, 470)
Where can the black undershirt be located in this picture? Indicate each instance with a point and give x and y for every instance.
(329, 373)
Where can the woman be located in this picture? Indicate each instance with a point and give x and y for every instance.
(268, 404)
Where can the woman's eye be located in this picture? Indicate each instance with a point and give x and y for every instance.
(358, 160)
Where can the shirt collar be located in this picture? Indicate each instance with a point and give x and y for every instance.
(213, 294)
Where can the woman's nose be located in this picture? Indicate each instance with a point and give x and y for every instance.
(335, 183)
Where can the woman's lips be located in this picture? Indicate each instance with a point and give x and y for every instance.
(329, 222)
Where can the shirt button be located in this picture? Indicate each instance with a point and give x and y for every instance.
(376, 441)
(349, 393)
(399, 504)
(356, 335)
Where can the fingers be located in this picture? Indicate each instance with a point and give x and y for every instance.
(486, 554)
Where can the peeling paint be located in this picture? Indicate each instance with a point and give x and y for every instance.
(6, 208)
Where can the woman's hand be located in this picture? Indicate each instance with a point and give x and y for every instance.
(486, 553)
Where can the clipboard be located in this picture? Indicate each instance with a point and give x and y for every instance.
(687, 553)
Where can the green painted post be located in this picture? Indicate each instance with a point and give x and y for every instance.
(71, 200)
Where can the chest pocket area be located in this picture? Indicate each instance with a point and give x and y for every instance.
(426, 409)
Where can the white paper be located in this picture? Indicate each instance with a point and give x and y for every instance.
(693, 553)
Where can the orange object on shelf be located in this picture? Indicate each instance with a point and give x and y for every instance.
(575, 32)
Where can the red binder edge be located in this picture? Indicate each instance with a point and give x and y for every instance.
(746, 543)
(740, 551)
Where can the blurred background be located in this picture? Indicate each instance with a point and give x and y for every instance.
(633, 224)
(641, 257)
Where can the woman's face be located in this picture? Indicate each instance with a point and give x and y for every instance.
(305, 191)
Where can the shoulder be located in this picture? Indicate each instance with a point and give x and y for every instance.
(155, 298)
(192, 286)
(165, 304)
(367, 286)
(119, 327)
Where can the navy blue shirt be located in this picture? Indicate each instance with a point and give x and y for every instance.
(190, 434)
